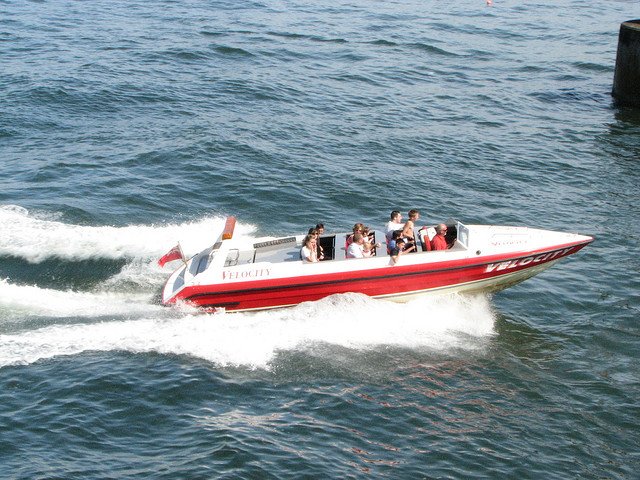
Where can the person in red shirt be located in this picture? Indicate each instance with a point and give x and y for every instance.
(439, 242)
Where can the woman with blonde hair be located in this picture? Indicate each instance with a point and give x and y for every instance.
(309, 252)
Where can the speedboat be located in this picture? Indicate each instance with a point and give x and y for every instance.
(264, 273)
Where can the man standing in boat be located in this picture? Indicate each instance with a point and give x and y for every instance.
(394, 223)
(407, 231)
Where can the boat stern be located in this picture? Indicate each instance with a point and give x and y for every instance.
(174, 285)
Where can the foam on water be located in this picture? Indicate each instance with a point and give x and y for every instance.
(120, 314)
(27, 236)
(252, 340)
(16, 300)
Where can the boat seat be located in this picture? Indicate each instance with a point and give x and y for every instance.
(426, 234)
(420, 240)
(328, 244)
(374, 252)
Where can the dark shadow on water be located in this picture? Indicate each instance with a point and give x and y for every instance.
(523, 341)
(621, 140)
(59, 274)
(628, 116)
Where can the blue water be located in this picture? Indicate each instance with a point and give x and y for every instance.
(128, 126)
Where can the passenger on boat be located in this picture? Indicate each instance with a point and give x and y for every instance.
(400, 249)
(393, 225)
(357, 228)
(356, 247)
(308, 252)
(439, 242)
(320, 228)
(369, 246)
(319, 249)
(407, 230)
(391, 244)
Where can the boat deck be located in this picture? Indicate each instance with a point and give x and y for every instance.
(287, 249)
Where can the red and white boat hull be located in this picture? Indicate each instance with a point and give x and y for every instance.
(497, 258)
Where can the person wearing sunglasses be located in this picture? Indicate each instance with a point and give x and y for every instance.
(439, 242)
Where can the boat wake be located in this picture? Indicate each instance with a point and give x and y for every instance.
(35, 237)
(113, 270)
(120, 313)
(254, 340)
(20, 301)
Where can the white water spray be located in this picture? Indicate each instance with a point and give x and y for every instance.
(253, 340)
(113, 318)
(34, 239)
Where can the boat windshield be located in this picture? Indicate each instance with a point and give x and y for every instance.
(463, 234)
(206, 258)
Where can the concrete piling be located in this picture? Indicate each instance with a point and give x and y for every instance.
(626, 80)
